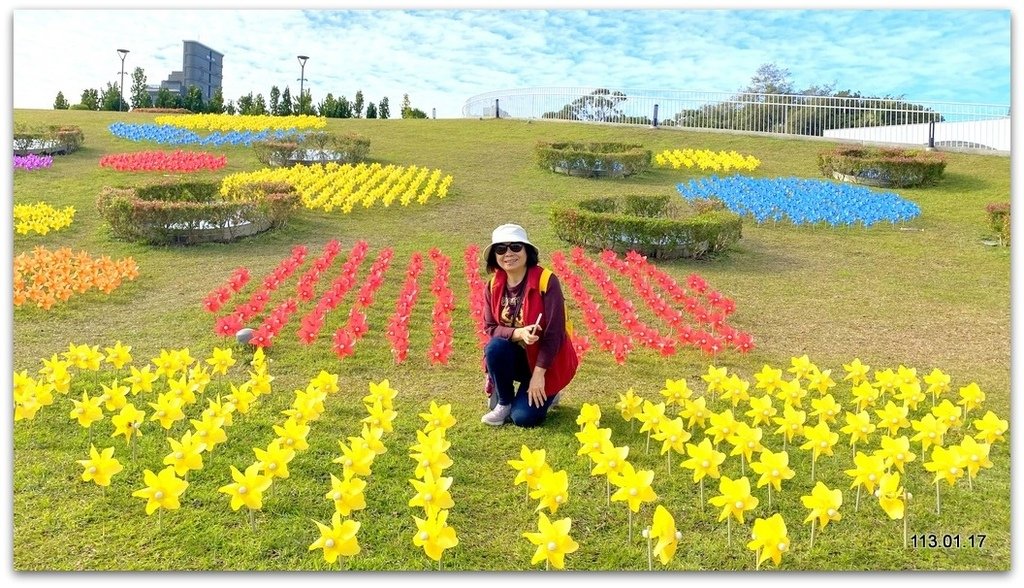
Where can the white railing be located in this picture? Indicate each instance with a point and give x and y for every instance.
(944, 125)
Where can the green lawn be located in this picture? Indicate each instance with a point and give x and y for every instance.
(925, 295)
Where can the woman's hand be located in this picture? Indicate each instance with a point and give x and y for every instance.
(527, 335)
(535, 394)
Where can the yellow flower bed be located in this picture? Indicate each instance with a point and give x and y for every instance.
(227, 122)
(41, 218)
(330, 186)
(706, 160)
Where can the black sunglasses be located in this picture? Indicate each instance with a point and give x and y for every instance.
(501, 248)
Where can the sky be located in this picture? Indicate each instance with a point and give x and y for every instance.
(442, 57)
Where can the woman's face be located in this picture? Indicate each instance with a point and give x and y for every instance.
(508, 258)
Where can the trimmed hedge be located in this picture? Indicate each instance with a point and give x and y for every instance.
(313, 147)
(187, 213)
(656, 226)
(47, 140)
(593, 159)
(886, 167)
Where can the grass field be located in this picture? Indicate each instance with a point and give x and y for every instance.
(927, 294)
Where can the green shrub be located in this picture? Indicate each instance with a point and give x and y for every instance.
(49, 139)
(313, 147)
(593, 159)
(655, 226)
(894, 167)
(194, 212)
(999, 219)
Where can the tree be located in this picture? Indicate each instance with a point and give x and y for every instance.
(371, 110)
(90, 99)
(193, 101)
(406, 104)
(357, 104)
(384, 110)
(139, 96)
(216, 103)
(770, 79)
(229, 108)
(246, 105)
(260, 108)
(111, 98)
(329, 107)
(286, 102)
(164, 99)
(408, 111)
(60, 103)
(601, 105)
(344, 108)
(275, 101)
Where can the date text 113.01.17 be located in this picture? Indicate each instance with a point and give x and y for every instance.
(947, 540)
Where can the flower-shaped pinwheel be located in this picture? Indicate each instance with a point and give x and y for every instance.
(745, 441)
(801, 366)
(553, 542)
(429, 453)
(865, 395)
(434, 535)
(695, 411)
(791, 393)
(593, 439)
(274, 459)
(949, 415)
(704, 461)
(432, 493)
(292, 434)
(220, 360)
(723, 425)
(975, 456)
(938, 383)
(867, 471)
(167, 410)
(735, 500)
(823, 506)
(859, 427)
(356, 458)
(210, 431)
(893, 417)
(185, 455)
(338, 539)
(890, 495)
(141, 380)
(791, 424)
(382, 391)
(663, 530)
(380, 416)
(971, 397)
(676, 391)
(347, 494)
(990, 428)
(114, 396)
(826, 409)
(634, 487)
(552, 490)
(101, 466)
(89, 410)
(162, 490)
(651, 416)
(673, 436)
(820, 440)
(629, 405)
(438, 417)
(248, 488)
(118, 355)
(589, 413)
(735, 390)
(715, 378)
(930, 431)
(761, 410)
(128, 422)
(856, 372)
(529, 467)
(769, 539)
(774, 468)
(820, 381)
(768, 379)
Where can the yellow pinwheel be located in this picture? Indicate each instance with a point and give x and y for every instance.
(791, 393)
(589, 414)
(629, 405)
(663, 530)
(891, 496)
(337, 540)
(292, 434)
(383, 392)
(220, 360)
(859, 427)
(438, 418)
(990, 428)
(248, 488)
(529, 467)
(774, 468)
(326, 382)
(432, 493)
(128, 422)
(791, 424)
(975, 456)
(695, 411)
(865, 395)
(769, 539)
(735, 390)
(114, 396)
(553, 542)
(347, 494)
(866, 473)
(593, 439)
(552, 490)
(930, 431)
(949, 465)
(820, 381)
(704, 460)
(141, 380)
(761, 410)
(676, 392)
(273, 460)
(820, 440)
(801, 366)
(723, 425)
(768, 379)
(167, 410)
(634, 487)
(734, 499)
(715, 378)
(434, 535)
(209, 431)
(856, 372)
(971, 397)
(162, 490)
(87, 411)
(745, 441)
(823, 506)
(118, 355)
(380, 415)
(896, 452)
(893, 417)
(356, 458)
(100, 467)
(938, 383)
(185, 455)
(826, 409)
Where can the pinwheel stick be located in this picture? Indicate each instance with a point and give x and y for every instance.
(906, 515)
(728, 527)
(814, 460)
(629, 518)
(650, 559)
(814, 522)
(608, 488)
(937, 497)
(743, 467)
(856, 504)
(769, 496)
(702, 495)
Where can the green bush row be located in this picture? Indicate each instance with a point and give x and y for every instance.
(193, 212)
(49, 139)
(895, 167)
(313, 147)
(593, 159)
(656, 226)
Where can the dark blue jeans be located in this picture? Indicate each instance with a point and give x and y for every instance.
(506, 365)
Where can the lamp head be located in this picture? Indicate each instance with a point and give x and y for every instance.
(122, 53)
(302, 59)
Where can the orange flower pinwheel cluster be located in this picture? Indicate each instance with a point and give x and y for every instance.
(41, 218)
(46, 277)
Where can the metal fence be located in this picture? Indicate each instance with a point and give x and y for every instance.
(944, 125)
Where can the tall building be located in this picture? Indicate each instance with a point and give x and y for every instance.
(201, 67)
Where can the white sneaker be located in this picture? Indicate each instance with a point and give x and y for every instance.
(497, 416)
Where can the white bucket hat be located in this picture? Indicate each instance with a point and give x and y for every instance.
(509, 233)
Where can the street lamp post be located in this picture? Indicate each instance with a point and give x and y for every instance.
(302, 78)
(120, 98)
